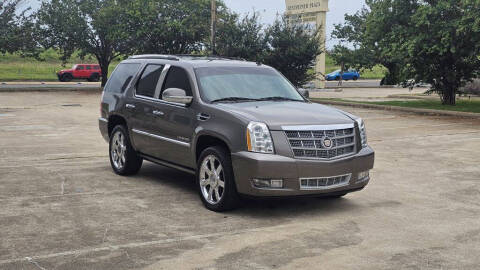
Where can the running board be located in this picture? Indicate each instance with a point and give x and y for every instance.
(168, 164)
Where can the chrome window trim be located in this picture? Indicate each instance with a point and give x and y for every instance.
(161, 138)
(159, 101)
(346, 183)
(161, 80)
(317, 127)
(158, 88)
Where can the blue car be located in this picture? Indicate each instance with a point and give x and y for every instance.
(347, 75)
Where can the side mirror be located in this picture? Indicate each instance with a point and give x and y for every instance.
(304, 92)
(176, 95)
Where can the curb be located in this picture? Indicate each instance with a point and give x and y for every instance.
(402, 109)
(51, 89)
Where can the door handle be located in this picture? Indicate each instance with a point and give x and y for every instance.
(130, 106)
(158, 113)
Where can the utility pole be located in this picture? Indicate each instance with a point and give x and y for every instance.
(213, 25)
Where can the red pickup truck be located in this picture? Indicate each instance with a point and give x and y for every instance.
(91, 72)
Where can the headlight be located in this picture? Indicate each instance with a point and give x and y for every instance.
(258, 138)
(363, 132)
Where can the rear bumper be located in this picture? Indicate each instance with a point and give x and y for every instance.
(248, 166)
(103, 126)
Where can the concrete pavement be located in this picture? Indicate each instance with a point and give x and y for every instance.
(63, 208)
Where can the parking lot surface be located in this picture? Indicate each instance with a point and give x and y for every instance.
(62, 207)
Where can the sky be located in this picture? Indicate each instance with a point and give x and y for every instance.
(269, 9)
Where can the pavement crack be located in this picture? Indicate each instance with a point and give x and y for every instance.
(30, 260)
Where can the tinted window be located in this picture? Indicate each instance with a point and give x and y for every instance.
(148, 82)
(121, 77)
(80, 68)
(244, 82)
(96, 67)
(89, 67)
(177, 78)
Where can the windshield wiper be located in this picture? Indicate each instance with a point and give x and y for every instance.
(237, 99)
(281, 99)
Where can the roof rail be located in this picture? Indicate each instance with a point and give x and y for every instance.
(155, 56)
(218, 57)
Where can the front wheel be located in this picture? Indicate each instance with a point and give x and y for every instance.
(215, 179)
(67, 77)
(123, 158)
(355, 78)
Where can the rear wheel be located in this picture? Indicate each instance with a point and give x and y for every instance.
(215, 179)
(123, 158)
(67, 77)
(94, 78)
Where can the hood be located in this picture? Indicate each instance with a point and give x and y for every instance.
(287, 113)
(65, 70)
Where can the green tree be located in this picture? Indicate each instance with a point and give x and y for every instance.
(167, 26)
(90, 26)
(372, 31)
(16, 33)
(292, 49)
(243, 38)
(441, 45)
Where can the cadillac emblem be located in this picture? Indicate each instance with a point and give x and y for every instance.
(327, 143)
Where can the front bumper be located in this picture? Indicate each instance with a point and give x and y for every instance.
(248, 166)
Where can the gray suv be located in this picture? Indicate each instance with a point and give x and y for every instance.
(240, 127)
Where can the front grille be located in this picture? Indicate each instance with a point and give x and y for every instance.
(310, 143)
(324, 182)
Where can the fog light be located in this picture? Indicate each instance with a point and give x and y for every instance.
(362, 176)
(267, 183)
(276, 183)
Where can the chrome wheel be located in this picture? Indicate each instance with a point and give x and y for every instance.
(118, 150)
(212, 179)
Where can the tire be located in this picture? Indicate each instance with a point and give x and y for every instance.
(209, 190)
(355, 78)
(119, 147)
(337, 78)
(67, 77)
(94, 78)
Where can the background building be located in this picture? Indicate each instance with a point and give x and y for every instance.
(314, 13)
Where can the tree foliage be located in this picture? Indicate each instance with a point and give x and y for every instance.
(16, 31)
(167, 26)
(90, 26)
(442, 46)
(292, 49)
(428, 41)
(241, 37)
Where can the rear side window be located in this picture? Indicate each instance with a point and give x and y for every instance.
(148, 82)
(89, 67)
(121, 78)
(177, 78)
(96, 67)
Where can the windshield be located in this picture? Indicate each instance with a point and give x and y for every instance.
(240, 84)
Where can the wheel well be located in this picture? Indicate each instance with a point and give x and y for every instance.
(114, 121)
(206, 141)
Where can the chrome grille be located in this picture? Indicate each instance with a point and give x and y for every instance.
(309, 143)
(324, 182)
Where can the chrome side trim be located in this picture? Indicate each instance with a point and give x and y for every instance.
(103, 119)
(318, 127)
(161, 138)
